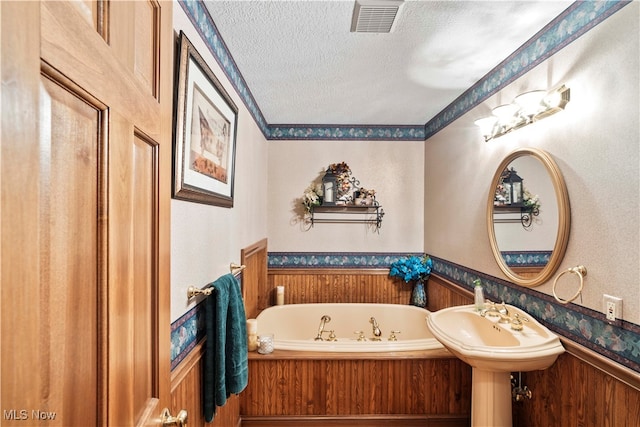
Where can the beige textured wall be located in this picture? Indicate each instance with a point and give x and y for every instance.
(205, 239)
(394, 169)
(595, 143)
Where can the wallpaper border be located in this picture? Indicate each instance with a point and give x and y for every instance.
(576, 20)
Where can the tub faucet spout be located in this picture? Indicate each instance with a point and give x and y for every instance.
(376, 330)
(323, 321)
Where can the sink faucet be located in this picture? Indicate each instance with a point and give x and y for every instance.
(323, 321)
(503, 312)
(376, 330)
(492, 310)
(489, 309)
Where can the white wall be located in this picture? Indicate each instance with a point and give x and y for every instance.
(206, 239)
(394, 169)
(595, 143)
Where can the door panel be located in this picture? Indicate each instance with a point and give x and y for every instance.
(69, 173)
(91, 11)
(85, 179)
(137, 41)
(133, 241)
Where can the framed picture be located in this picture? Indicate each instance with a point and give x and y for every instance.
(205, 132)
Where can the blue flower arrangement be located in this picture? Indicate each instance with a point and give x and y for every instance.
(412, 268)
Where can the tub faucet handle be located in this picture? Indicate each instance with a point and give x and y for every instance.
(323, 321)
(332, 336)
(361, 336)
(393, 337)
(375, 329)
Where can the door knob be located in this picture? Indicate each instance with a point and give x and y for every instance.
(178, 421)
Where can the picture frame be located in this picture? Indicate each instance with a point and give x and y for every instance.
(206, 121)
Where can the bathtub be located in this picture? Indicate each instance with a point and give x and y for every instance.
(295, 327)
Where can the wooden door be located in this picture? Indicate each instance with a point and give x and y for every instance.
(85, 179)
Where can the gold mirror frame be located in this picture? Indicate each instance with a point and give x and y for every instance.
(564, 218)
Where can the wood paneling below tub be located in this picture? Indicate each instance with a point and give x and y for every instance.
(411, 387)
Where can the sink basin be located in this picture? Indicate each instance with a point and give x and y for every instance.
(484, 343)
(494, 350)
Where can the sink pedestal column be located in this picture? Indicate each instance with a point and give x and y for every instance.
(490, 399)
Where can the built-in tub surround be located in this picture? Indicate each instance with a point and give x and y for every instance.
(349, 328)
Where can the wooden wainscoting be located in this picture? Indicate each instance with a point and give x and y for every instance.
(254, 276)
(575, 393)
(345, 390)
(186, 378)
(442, 294)
(186, 393)
(581, 389)
(303, 286)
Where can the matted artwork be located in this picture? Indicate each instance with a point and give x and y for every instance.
(205, 133)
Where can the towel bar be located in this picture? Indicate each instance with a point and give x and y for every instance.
(236, 268)
(192, 291)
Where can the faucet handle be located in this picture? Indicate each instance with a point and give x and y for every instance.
(393, 337)
(490, 309)
(503, 309)
(516, 322)
(361, 336)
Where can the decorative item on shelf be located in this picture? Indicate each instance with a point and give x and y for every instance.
(417, 270)
(312, 197)
(511, 194)
(527, 108)
(510, 190)
(329, 199)
(364, 197)
(531, 201)
(329, 188)
(345, 181)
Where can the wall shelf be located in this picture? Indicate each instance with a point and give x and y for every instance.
(348, 214)
(526, 214)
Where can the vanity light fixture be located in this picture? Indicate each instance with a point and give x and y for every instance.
(526, 108)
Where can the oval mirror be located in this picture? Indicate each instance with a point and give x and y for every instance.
(528, 216)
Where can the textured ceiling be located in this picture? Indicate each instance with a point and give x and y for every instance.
(304, 66)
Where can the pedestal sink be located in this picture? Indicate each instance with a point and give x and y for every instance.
(494, 350)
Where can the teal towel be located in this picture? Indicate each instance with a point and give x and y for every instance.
(226, 364)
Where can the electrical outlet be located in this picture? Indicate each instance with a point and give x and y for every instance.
(612, 307)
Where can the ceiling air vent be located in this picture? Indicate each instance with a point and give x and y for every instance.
(375, 16)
